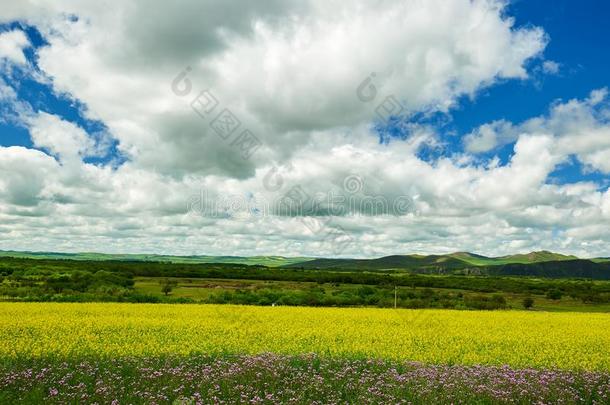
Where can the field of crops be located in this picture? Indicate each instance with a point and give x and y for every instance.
(199, 354)
(571, 341)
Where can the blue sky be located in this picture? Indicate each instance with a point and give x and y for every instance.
(41, 97)
(523, 146)
(578, 33)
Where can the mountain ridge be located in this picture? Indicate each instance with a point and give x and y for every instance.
(457, 260)
(454, 260)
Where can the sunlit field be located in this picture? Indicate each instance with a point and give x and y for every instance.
(519, 339)
(197, 354)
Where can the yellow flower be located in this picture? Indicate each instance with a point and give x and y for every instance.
(519, 339)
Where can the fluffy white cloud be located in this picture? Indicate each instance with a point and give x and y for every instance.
(294, 74)
(284, 69)
(489, 136)
(580, 128)
(60, 137)
(22, 175)
(12, 44)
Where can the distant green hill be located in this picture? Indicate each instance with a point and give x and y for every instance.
(473, 259)
(454, 263)
(269, 261)
(388, 262)
(460, 265)
(533, 257)
(536, 257)
(556, 269)
(431, 263)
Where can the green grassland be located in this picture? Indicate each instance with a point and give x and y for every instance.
(210, 291)
(24, 279)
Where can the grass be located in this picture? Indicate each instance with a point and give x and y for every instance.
(199, 290)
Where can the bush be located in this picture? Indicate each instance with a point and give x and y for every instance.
(142, 299)
(554, 295)
(496, 301)
(528, 302)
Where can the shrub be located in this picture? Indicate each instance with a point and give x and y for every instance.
(496, 301)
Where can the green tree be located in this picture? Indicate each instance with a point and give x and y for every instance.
(528, 302)
(554, 294)
(167, 286)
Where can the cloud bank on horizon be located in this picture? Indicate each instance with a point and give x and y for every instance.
(318, 128)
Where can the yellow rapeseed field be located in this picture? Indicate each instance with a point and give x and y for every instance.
(518, 339)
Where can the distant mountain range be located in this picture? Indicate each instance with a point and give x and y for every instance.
(457, 260)
(537, 264)
(449, 261)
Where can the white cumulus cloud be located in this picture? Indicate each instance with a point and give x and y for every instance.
(12, 44)
(306, 78)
